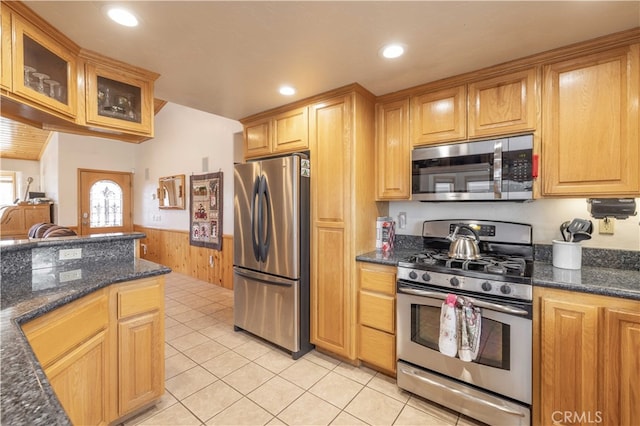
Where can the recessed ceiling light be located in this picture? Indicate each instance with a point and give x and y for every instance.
(287, 90)
(122, 17)
(392, 51)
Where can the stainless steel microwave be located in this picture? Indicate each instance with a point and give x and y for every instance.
(498, 169)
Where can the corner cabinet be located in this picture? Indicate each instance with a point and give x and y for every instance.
(118, 96)
(393, 151)
(587, 346)
(104, 353)
(591, 125)
(377, 316)
(277, 134)
(343, 212)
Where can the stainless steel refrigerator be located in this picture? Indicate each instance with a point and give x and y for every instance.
(271, 251)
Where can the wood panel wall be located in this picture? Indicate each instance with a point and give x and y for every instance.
(171, 248)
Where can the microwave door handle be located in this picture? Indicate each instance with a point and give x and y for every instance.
(479, 303)
(497, 170)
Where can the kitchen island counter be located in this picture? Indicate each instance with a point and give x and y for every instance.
(26, 395)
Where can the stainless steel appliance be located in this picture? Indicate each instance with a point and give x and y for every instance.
(499, 169)
(271, 251)
(496, 387)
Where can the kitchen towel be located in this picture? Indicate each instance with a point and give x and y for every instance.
(469, 329)
(448, 340)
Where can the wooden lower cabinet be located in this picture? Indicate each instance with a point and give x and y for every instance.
(104, 353)
(376, 316)
(140, 343)
(588, 348)
(81, 382)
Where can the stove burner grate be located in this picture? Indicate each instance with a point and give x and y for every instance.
(492, 263)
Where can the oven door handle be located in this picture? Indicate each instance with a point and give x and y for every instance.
(479, 303)
(415, 373)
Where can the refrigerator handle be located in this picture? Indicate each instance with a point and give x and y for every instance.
(255, 238)
(266, 242)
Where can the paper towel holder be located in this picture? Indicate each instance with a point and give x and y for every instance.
(620, 208)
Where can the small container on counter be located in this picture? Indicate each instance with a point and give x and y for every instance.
(385, 233)
(567, 255)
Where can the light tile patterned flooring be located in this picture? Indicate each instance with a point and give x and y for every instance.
(215, 376)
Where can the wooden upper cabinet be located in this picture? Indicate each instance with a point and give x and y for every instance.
(117, 96)
(393, 151)
(504, 104)
(5, 48)
(439, 116)
(44, 70)
(591, 125)
(278, 134)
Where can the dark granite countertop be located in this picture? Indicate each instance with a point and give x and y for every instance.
(624, 283)
(7, 246)
(26, 397)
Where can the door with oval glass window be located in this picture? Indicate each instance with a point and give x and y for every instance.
(105, 203)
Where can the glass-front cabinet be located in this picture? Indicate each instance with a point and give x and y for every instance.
(118, 99)
(44, 71)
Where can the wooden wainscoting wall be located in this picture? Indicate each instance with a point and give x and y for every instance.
(171, 248)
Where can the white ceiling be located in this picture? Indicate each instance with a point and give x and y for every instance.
(230, 57)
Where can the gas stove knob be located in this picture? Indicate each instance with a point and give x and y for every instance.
(486, 286)
(505, 289)
(413, 275)
(454, 282)
(426, 277)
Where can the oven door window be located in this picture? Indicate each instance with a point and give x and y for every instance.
(464, 174)
(494, 337)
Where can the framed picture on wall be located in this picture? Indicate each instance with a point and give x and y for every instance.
(206, 210)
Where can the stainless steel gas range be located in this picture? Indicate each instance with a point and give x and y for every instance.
(496, 387)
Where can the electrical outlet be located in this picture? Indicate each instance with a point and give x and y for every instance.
(68, 254)
(65, 276)
(605, 226)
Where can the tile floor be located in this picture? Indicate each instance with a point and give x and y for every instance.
(215, 376)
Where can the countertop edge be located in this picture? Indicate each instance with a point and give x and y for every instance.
(35, 402)
(543, 276)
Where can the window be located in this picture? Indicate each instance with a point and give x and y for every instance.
(105, 199)
(7, 187)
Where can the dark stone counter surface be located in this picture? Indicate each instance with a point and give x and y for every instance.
(26, 397)
(624, 283)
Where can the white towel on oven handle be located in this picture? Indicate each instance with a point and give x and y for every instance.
(469, 329)
(448, 339)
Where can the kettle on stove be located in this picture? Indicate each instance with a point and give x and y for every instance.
(464, 247)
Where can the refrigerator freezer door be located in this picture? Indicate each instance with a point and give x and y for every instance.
(280, 242)
(267, 307)
(245, 211)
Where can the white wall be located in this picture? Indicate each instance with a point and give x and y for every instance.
(183, 137)
(544, 215)
(84, 152)
(49, 173)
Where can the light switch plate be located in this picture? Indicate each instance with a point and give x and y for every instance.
(66, 276)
